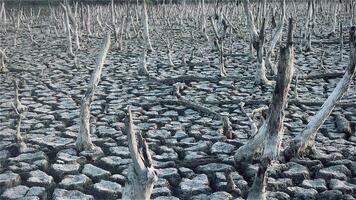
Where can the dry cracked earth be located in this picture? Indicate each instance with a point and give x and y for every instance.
(188, 150)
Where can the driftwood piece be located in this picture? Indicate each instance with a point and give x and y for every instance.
(83, 140)
(305, 140)
(141, 175)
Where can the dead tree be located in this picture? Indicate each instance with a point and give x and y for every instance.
(74, 22)
(220, 35)
(113, 23)
(3, 59)
(303, 142)
(341, 42)
(3, 16)
(335, 13)
(203, 20)
(276, 36)
(88, 22)
(309, 25)
(84, 142)
(273, 130)
(257, 40)
(17, 103)
(19, 110)
(253, 147)
(146, 34)
(142, 69)
(69, 35)
(141, 175)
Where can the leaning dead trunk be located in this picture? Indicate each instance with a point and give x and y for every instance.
(305, 141)
(141, 175)
(84, 142)
(275, 118)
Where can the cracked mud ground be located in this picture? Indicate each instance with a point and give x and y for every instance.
(188, 149)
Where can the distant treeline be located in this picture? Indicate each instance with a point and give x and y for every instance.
(52, 2)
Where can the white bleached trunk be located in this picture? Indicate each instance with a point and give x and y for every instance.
(67, 28)
(146, 28)
(305, 140)
(83, 140)
(3, 58)
(142, 70)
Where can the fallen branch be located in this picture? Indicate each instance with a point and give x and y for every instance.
(226, 124)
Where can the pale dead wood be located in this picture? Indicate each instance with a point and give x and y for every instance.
(305, 140)
(275, 117)
(275, 38)
(17, 103)
(341, 39)
(19, 110)
(226, 124)
(257, 41)
(253, 126)
(3, 59)
(142, 69)
(67, 27)
(141, 176)
(83, 140)
(146, 33)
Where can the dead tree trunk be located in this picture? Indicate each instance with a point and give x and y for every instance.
(19, 109)
(305, 140)
(141, 175)
(275, 117)
(88, 25)
(257, 42)
(142, 69)
(69, 35)
(277, 35)
(335, 12)
(3, 59)
(219, 41)
(341, 43)
(114, 27)
(84, 142)
(146, 28)
(75, 25)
